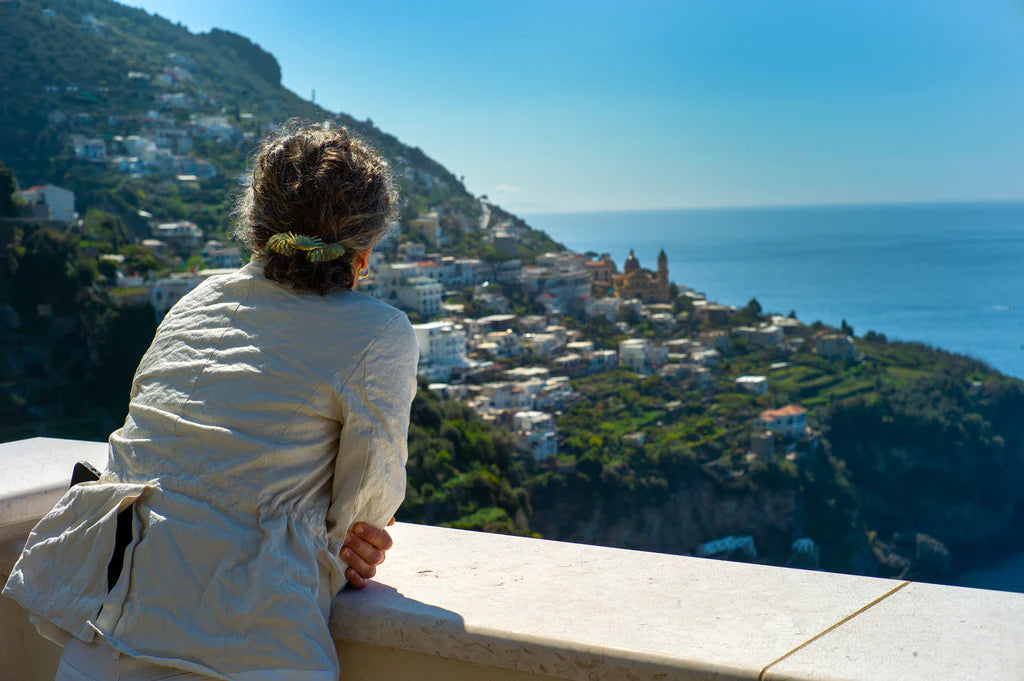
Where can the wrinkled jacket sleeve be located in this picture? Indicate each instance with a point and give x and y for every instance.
(369, 476)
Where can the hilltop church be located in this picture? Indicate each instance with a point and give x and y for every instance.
(636, 282)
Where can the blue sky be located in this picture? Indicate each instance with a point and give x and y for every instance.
(572, 106)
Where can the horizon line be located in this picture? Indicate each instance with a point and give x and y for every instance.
(768, 206)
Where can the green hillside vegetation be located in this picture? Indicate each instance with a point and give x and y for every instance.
(914, 439)
(463, 472)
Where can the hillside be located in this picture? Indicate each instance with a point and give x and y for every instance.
(97, 69)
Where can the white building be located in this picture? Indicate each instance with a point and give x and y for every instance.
(711, 312)
(684, 346)
(184, 233)
(549, 394)
(468, 272)
(505, 395)
(421, 294)
(602, 360)
(431, 269)
(442, 348)
(508, 272)
(542, 344)
(789, 421)
(89, 148)
(59, 202)
(559, 283)
(527, 373)
(580, 347)
(836, 346)
(217, 254)
(602, 307)
(536, 434)
(663, 321)
(494, 322)
(502, 343)
(566, 261)
(447, 391)
(409, 251)
(755, 385)
(572, 364)
(706, 358)
(789, 325)
(166, 292)
(633, 354)
(763, 336)
(135, 145)
(640, 355)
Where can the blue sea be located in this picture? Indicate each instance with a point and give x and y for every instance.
(949, 275)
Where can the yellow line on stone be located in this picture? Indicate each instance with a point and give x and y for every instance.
(764, 672)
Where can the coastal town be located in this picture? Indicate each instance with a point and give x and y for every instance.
(514, 369)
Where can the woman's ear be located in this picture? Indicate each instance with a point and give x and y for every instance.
(360, 266)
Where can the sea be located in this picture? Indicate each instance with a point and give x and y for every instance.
(950, 275)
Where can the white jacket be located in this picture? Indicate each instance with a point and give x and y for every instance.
(263, 423)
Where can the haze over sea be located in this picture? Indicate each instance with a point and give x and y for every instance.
(950, 275)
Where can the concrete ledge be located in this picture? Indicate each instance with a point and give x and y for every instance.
(583, 612)
(34, 474)
(456, 605)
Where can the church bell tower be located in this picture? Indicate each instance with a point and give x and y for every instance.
(662, 277)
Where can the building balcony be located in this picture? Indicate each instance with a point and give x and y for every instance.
(460, 605)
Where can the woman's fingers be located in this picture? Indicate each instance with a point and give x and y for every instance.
(365, 550)
(355, 579)
(365, 568)
(380, 539)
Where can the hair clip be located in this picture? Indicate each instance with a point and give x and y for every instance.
(288, 243)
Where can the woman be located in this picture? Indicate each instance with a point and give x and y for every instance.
(268, 417)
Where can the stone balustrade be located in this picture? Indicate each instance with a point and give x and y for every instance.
(456, 605)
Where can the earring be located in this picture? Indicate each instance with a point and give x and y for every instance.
(364, 273)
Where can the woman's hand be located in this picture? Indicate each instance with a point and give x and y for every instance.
(364, 549)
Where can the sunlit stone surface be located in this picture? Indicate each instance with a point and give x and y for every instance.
(458, 605)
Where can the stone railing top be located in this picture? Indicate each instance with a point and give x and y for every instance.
(34, 474)
(585, 612)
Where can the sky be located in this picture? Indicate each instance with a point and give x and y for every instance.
(561, 105)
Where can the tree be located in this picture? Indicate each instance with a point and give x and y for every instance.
(46, 273)
(8, 185)
(846, 328)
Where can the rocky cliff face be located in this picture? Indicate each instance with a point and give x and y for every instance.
(259, 60)
(688, 516)
(903, 487)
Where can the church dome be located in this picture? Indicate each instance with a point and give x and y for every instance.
(632, 264)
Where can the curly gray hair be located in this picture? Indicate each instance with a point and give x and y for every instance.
(319, 181)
